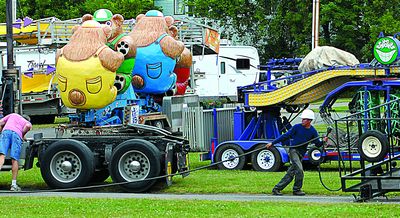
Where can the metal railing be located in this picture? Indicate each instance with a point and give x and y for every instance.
(199, 126)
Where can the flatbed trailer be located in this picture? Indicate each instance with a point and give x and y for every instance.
(131, 154)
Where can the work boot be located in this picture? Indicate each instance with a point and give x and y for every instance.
(299, 193)
(15, 188)
(276, 192)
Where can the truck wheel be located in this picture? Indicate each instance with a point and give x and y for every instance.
(227, 151)
(158, 124)
(373, 146)
(66, 164)
(99, 176)
(135, 160)
(267, 160)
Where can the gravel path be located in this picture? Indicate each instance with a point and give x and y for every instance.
(212, 197)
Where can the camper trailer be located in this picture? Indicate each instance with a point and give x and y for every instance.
(39, 94)
(219, 75)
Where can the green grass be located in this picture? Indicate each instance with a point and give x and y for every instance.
(340, 100)
(209, 181)
(58, 120)
(77, 207)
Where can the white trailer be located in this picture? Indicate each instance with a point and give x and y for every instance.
(219, 75)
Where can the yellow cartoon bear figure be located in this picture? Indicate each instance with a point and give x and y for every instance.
(86, 68)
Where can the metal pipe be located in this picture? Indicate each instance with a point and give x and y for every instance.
(315, 24)
(9, 35)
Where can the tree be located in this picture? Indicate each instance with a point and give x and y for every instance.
(282, 28)
(276, 28)
(70, 9)
(354, 25)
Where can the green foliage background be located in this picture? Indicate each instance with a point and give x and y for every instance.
(69, 9)
(278, 28)
(282, 28)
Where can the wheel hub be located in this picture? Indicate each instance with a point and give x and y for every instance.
(135, 166)
(371, 146)
(265, 159)
(229, 159)
(66, 166)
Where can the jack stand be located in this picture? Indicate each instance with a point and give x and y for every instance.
(365, 193)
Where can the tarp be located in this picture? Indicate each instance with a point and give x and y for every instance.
(326, 56)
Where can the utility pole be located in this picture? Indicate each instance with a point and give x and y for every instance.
(315, 24)
(10, 97)
(10, 48)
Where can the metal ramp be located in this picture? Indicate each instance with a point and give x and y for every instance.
(371, 178)
(307, 87)
(382, 177)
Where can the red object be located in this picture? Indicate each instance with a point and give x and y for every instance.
(182, 77)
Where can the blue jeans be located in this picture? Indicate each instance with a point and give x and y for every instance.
(10, 140)
(295, 171)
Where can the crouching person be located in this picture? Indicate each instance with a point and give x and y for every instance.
(13, 129)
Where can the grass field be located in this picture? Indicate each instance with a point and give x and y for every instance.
(209, 181)
(68, 207)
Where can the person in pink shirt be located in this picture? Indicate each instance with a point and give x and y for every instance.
(13, 129)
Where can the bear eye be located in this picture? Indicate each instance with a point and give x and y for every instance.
(108, 23)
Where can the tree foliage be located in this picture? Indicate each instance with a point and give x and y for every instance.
(278, 28)
(282, 28)
(70, 9)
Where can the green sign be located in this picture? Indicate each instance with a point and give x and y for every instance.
(386, 50)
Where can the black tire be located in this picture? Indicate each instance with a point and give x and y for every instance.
(227, 151)
(266, 160)
(315, 156)
(143, 156)
(99, 176)
(66, 164)
(373, 146)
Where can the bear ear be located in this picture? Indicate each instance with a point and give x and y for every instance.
(107, 30)
(173, 31)
(87, 17)
(118, 19)
(170, 20)
(140, 16)
(75, 28)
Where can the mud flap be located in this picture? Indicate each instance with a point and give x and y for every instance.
(183, 163)
(169, 157)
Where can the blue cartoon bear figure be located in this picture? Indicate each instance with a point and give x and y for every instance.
(156, 53)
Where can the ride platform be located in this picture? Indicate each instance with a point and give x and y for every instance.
(379, 178)
(307, 87)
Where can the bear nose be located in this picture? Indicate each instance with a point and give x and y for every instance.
(77, 97)
(137, 82)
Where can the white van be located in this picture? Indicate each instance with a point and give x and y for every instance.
(219, 75)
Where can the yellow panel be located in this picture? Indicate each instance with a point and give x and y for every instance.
(38, 83)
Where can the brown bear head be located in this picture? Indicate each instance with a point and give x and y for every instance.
(86, 40)
(115, 22)
(151, 25)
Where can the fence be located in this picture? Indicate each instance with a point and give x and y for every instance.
(198, 126)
